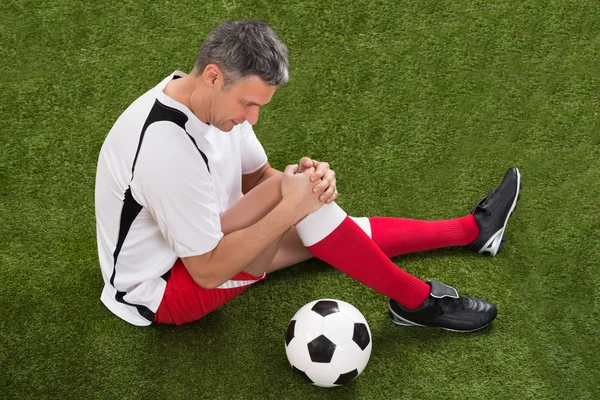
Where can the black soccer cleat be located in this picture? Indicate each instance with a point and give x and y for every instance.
(492, 214)
(445, 309)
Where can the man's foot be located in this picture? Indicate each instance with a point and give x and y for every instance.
(445, 309)
(492, 214)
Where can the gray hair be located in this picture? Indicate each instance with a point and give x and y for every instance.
(244, 48)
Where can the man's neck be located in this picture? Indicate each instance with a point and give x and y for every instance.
(185, 90)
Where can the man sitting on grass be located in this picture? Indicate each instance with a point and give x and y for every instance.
(177, 239)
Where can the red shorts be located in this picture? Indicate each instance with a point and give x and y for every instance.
(184, 301)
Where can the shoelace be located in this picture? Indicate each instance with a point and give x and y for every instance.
(483, 204)
(450, 304)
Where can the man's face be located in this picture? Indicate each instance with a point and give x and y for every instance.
(239, 102)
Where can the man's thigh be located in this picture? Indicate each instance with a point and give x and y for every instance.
(184, 301)
(291, 251)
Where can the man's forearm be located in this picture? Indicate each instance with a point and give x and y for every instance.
(238, 249)
(267, 174)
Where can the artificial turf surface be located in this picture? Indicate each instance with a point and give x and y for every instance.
(420, 106)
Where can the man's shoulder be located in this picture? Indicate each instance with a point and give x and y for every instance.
(166, 140)
(166, 161)
(139, 109)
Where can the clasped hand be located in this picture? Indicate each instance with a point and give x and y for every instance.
(309, 185)
(323, 177)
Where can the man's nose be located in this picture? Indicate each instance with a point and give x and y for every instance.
(252, 115)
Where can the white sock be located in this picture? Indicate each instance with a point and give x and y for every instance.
(318, 225)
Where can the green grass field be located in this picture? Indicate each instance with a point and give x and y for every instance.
(420, 106)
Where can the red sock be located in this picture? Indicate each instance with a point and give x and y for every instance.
(396, 236)
(349, 249)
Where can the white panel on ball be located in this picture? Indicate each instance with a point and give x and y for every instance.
(298, 351)
(347, 357)
(338, 327)
(322, 374)
(351, 312)
(309, 324)
(364, 358)
(307, 306)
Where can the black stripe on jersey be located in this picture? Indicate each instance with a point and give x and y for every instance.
(178, 118)
(159, 112)
(144, 311)
(201, 153)
(132, 208)
(166, 275)
(129, 212)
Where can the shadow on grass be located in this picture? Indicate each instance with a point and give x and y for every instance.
(251, 329)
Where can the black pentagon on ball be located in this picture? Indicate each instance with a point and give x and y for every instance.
(361, 335)
(290, 332)
(347, 377)
(302, 374)
(321, 349)
(326, 307)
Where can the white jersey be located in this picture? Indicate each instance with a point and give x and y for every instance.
(168, 206)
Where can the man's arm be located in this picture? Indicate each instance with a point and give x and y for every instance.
(250, 181)
(238, 249)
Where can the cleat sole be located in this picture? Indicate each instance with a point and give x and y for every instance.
(472, 330)
(500, 248)
(398, 320)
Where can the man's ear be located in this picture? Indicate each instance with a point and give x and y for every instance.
(212, 76)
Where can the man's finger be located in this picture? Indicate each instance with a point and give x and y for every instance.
(327, 194)
(327, 190)
(305, 163)
(329, 177)
(333, 184)
(322, 169)
(327, 181)
(291, 169)
(333, 197)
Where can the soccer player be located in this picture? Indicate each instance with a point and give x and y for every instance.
(190, 213)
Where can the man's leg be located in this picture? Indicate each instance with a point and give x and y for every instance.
(289, 249)
(482, 230)
(379, 272)
(398, 236)
(394, 236)
(330, 235)
(335, 238)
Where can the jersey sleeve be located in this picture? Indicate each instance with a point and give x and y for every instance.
(252, 153)
(176, 187)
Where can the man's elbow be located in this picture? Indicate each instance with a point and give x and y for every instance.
(206, 283)
(201, 275)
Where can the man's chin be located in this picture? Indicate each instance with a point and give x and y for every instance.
(227, 127)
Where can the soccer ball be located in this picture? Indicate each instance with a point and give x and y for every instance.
(328, 342)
